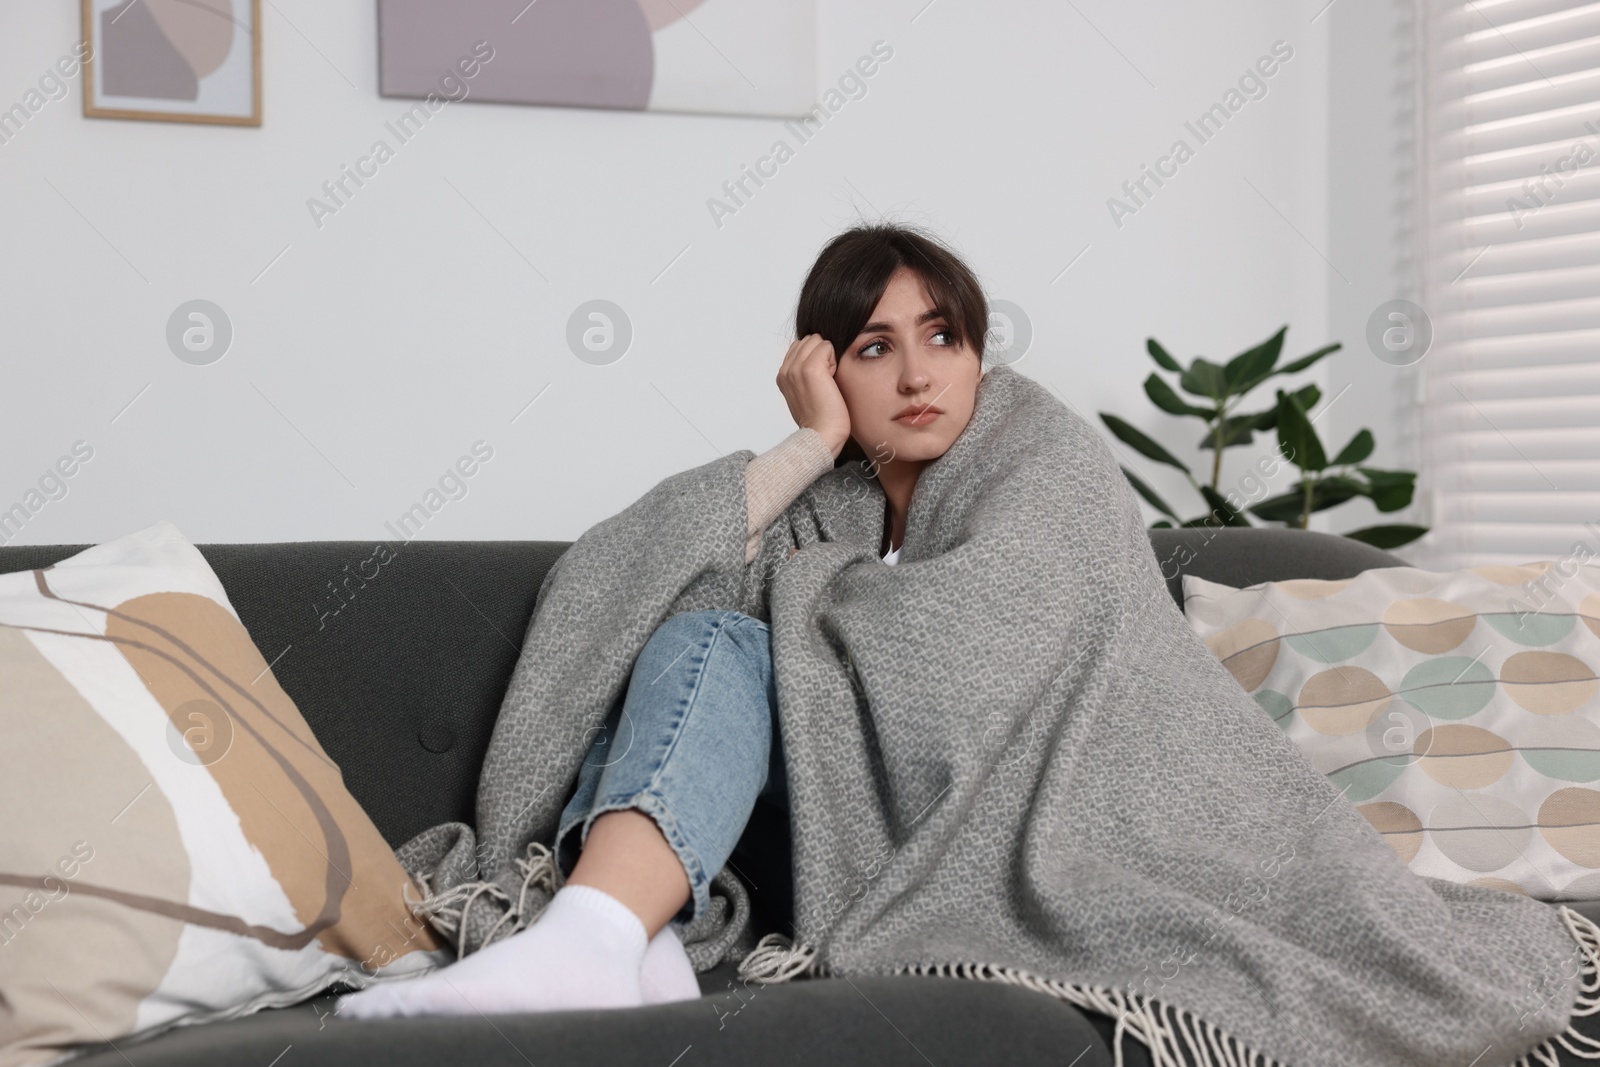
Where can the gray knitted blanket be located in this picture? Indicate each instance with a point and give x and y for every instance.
(1010, 758)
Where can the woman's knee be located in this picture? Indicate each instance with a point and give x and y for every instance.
(744, 634)
(719, 649)
(706, 620)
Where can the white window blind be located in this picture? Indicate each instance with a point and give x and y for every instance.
(1510, 390)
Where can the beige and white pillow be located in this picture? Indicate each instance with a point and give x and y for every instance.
(1456, 709)
(177, 848)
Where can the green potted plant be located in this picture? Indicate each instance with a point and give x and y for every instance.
(1323, 482)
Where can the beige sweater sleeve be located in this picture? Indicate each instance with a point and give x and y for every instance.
(777, 476)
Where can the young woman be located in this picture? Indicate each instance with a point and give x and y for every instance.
(885, 371)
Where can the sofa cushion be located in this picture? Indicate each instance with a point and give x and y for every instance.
(1458, 710)
(862, 1022)
(398, 662)
(178, 849)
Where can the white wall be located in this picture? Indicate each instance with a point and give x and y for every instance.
(379, 347)
(1372, 200)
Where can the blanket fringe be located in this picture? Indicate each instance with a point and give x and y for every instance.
(1547, 1053)
(777, 959)
(447, 911)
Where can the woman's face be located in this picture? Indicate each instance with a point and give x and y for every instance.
(907, 357)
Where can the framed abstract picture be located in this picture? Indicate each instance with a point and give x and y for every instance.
(730, 57)
(173, 60)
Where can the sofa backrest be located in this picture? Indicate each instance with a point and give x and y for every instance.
(399, 662)
(1240, 556)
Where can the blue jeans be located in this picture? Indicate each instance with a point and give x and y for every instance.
(692, 745)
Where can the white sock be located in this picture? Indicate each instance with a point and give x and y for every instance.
(665, 973)
(583, 951)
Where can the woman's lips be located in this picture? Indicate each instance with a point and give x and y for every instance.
(919, 418)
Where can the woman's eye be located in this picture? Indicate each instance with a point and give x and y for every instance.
(866, 350)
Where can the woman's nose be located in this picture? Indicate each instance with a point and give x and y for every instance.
(914, 372)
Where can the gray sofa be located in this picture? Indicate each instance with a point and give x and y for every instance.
(402, 687)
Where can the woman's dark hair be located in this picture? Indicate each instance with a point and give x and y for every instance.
(851, 273)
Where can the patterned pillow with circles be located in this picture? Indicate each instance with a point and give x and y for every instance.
(1457, 709)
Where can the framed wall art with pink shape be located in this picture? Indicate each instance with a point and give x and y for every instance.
(732, 57)
(173, 60)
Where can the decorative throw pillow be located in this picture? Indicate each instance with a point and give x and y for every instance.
(177, 848)
(1455, 709)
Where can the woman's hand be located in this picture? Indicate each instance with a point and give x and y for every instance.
(806, 381)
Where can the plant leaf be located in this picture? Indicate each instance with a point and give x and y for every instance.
(1254, 366)
(1359, 448)
(1390, 490)
(1387, 536)
(1219, 503)
(1164, 397)
(1344, 481)
(1160, 355)
(1297, 438)
(1308, 396)
(1325, 493)
(1305, 361)
(1148, 493)
(1141, 444)
(1263, 420)
(1204, 378)
(1236, 431)
(1378, 476)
